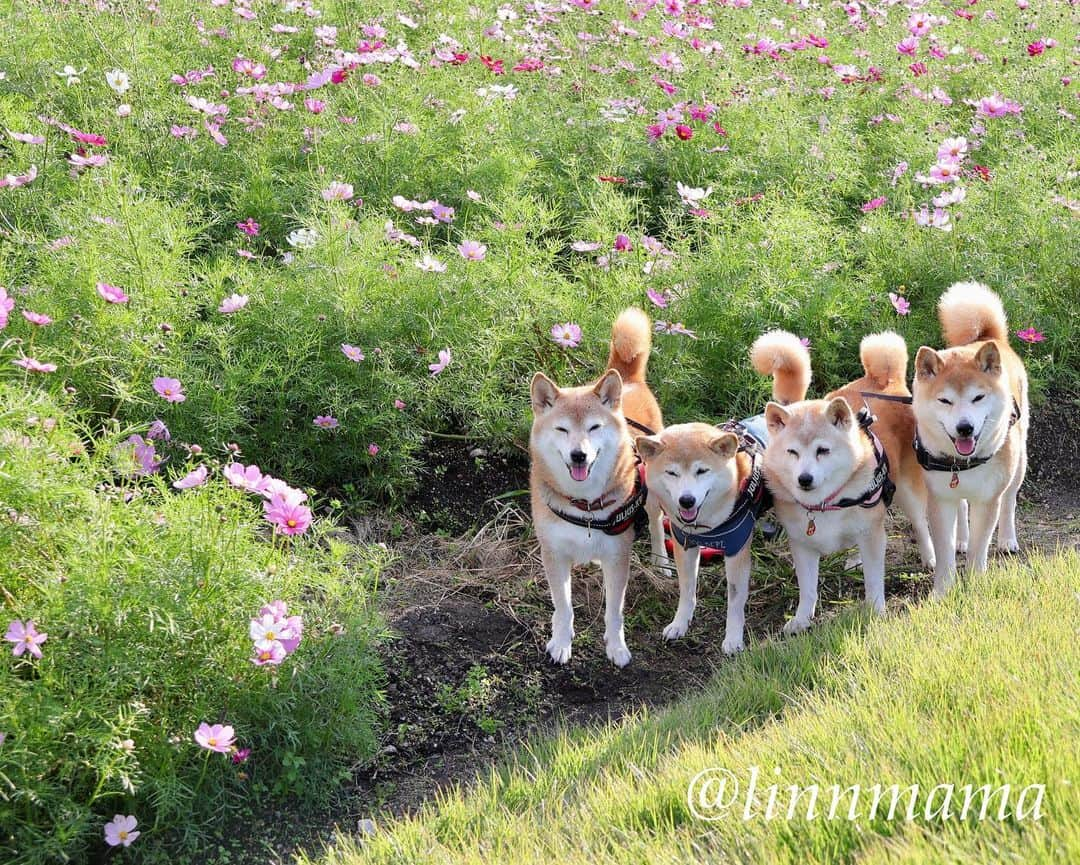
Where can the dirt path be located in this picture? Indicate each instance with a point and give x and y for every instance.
(467, 674)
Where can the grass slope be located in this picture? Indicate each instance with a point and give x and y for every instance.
(977, 689)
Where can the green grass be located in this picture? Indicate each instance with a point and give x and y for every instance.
(977, 689)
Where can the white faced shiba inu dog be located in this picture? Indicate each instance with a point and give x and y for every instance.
(589, 499)
(832, 475)
(971, 411)
(710, 481)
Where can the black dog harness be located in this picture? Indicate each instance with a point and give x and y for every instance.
(881, 488)
(728, 538)
(939, 463)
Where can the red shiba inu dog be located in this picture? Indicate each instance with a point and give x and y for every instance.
(589, 499)
(832, 474)
(971, 412)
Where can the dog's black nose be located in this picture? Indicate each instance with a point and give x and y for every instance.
(686, 501)
(964, 429)
(577, 457)
(806, 481)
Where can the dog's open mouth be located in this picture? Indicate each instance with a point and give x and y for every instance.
(579, 471)
(689, 515)
(965, 445)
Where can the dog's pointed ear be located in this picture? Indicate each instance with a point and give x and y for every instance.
(989, 358)
(928, 362)
(649, 447)
(838, 412)
(776, 417)
(543, 392)
(609, 389)
(725, 445)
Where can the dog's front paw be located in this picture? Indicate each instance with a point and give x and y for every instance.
(559, 649)
(619, 654)
(676, 629)
(796, 626)
(733, 645)
(961, 548)
(1009, 548)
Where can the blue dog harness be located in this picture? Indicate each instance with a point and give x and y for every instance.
(754, 499)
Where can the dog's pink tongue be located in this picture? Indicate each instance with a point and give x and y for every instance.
(965, 446)
(579, 473)
(687, 515)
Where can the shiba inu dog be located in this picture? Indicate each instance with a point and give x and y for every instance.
(832, 475)
(971, 413)
(710, 481)
(589, 498)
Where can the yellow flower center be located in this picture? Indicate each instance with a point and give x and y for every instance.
(122, 835)
(291, 524)
(212, 742)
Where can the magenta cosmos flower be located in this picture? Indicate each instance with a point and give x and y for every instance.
(215, 737)
(472, 250)
(873, 204)
(120, 831)
(443, 362)
(900, 304)
(566, 335)
(32, 365)
(249, 226)
(288, 516)
(325, 421)
(169, 389)
(111, 293)
(25, 637)
(1030, 335)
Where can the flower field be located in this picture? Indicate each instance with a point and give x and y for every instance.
(254, 253)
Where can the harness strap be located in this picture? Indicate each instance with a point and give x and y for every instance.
(625, 516)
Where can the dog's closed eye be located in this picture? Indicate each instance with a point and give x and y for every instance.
(944, 401)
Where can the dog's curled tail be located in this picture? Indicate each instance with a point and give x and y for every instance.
(884, 358)
(971, 312)
(631, 340)
(783, 356)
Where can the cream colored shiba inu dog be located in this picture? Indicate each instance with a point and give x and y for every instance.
(710, 481)
(971, 412)
(589, 499)
(832, 474)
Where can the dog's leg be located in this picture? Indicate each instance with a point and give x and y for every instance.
(984, 517)
(1007, 540)
(737, 569)
(687, 562)
(616, 576)
(656, 534)
(806, 570)
(943, 516)
(962, 527)
(872, 550)
(912, 501)
(557, 569)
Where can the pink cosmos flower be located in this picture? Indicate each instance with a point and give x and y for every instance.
(38, 318)
(1030, 335)
(169, 389)
(120, 831)
(240, 755)
(7, 304)
(142, 456)
(567, 335)
(373, 449)
(315, 106)
(192, 479)
(158, 430)
(325, 421)
(215, 737)
(873, 204)
(622, 243)
(996, 105)
(939, 219)
(584, 246)
(267, 653)
(14, 181)
(660, 298)
(27, 137)
(443, 362)
(249, 226)
(919, 24)
(275, 488)
(111, 293)
(399, 405)
(247, 478)
(25, 637)
(288, 517)
(472, 250)
(291, 628)
(908, 45)
(338, 191)
(95, 160)
(352, 352)
(952, 150)
(32, 365)
(233, 303)
(900, 304)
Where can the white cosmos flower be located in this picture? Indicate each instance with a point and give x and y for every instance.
(303, 238)
(118, 80)
(430, 264)
(692, 195)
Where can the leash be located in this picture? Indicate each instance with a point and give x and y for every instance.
(881, 487)
(941, 463)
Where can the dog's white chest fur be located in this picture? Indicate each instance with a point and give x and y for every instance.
(581, 544)
(831, 531)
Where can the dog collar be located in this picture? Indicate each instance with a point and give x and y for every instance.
(731, 535)
(630, 513)
(947, 463)
(881, 488)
